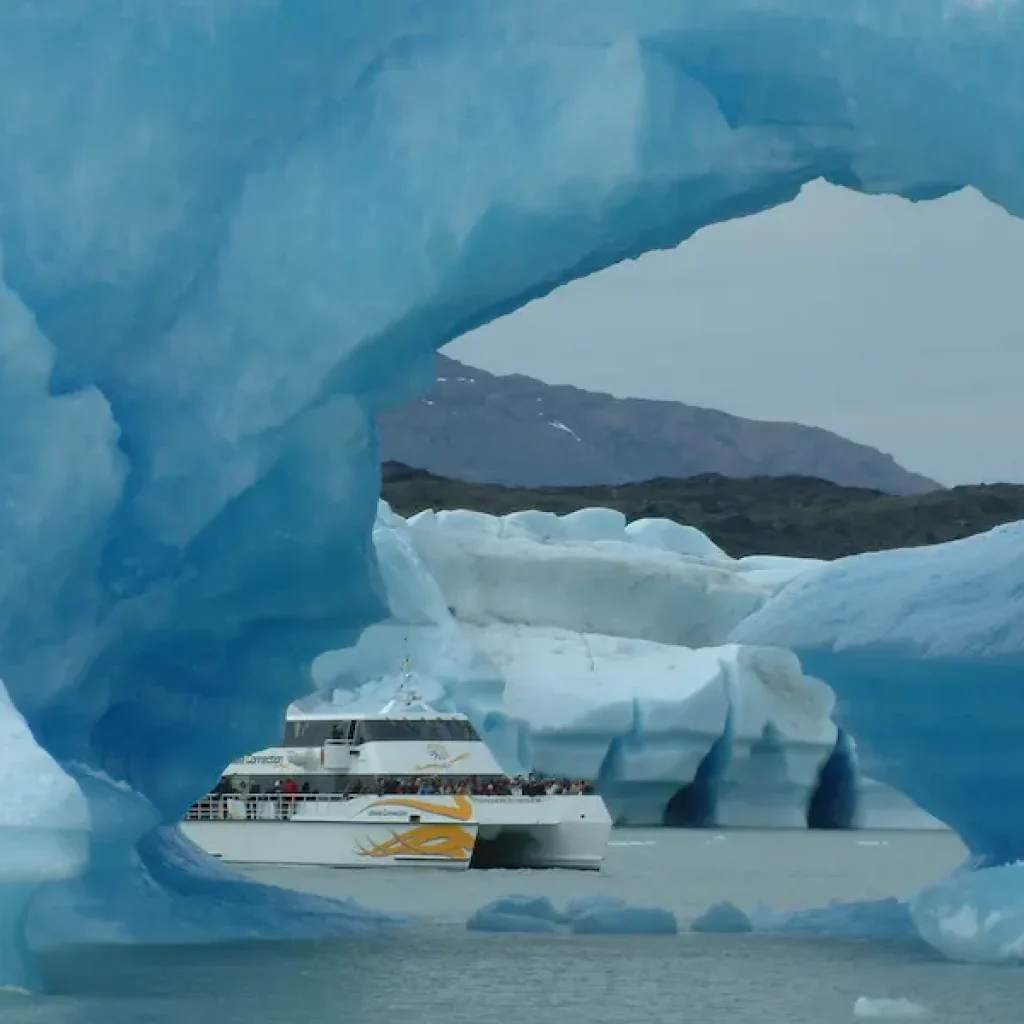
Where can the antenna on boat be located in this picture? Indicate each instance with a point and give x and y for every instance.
(405, 688)
(406, 698)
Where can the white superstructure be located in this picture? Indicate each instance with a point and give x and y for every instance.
(406, 785)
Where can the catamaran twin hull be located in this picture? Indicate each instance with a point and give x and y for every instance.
(563, 831)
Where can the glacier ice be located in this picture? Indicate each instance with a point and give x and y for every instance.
(934, 635)
(924, 649)
(975, 916)
(578, 649)
(230, 231)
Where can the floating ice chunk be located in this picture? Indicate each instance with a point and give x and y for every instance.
(888, 1009)
(722, 919)
(887, 920)
(586, 902)
(538, 907)
(585, 914)
(626, 920)
(975, 916)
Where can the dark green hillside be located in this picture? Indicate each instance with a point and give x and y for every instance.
(785, 515)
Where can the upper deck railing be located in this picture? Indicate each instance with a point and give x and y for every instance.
(278, 806)
(258, 806)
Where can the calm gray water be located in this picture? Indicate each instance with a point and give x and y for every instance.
(435, 972)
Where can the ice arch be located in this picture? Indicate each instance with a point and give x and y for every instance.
(229, 231)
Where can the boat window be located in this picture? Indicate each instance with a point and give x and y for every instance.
(315, 734)
(416, 730)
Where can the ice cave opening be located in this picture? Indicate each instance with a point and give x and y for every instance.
(230, 233)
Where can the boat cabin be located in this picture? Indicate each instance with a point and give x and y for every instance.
(357, 731)
(407, 743)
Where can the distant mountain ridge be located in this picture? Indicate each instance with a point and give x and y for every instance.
(520, 432)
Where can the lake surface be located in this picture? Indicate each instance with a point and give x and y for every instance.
(435, 972)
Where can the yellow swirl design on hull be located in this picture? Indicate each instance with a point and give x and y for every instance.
(448, 842)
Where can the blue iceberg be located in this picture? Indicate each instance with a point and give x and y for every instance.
(925, 651)
(722, 919)
(229, 233)
(975, 916)
(523, 914)
(625, 920)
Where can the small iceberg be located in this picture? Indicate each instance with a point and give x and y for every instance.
(585, 914)
(888, 1009)
(722, 919)
(587, 902)
(516, 913)
(975, 916)
(626, 920)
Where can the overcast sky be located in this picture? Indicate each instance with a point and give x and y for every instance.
(895, 324)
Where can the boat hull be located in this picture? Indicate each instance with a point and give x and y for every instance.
(569, 832)
(400, 831)
(335, 844)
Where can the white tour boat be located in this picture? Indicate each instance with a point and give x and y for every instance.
(409, 785)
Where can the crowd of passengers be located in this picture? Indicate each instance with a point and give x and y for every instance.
(420, 785)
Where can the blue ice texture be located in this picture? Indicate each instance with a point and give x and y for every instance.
(625, 920)
(723, 918)
(584, 914)
(885, 920)
(923, 648)
(231, 232)
(535, 908)
(590, 902)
